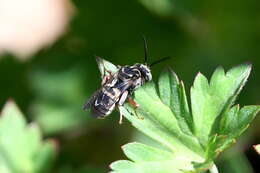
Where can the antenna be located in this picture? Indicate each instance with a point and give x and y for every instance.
(160, 60)
(145, 50)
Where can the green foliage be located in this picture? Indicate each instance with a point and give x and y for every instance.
(197, 34)
(234, 160)
(163, 7)
(83, 169)
(193, 138)
(21, 145)
(59, 99)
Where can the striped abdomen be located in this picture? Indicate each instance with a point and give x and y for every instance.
(105, 101)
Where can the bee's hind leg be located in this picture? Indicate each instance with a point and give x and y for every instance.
(135, 106)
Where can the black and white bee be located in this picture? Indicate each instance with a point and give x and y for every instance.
(118, 87)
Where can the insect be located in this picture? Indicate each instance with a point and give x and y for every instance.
(118, 87)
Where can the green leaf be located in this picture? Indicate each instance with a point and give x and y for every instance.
(235, 121)
(45, 157)
(82, 169)
(145, 153)
(172, 93)
(191, 140)
(160, 124)
(57, 107)
(20, 143)
(161, 116)
(211, 100)
(141, 153)
(124, 166)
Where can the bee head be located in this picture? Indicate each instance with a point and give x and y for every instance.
(145, 72)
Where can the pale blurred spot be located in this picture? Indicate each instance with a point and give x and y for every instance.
(27, 26)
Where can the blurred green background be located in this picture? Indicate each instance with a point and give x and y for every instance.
(53, 85)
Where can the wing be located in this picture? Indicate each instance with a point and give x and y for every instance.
(91, 101)
(106, 68)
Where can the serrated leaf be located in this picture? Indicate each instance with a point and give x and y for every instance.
(141, 153)
(160, 115)
(191, 142)
(234, 123)
(210, 100)
(11, 137)
(19, 143)
(160, 124)
(123, 165)
(45, 157)
(172, 93)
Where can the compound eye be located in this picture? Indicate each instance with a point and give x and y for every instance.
(148, 77)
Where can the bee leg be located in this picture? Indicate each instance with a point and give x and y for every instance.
(120, 103)
(105, 78)
(135, 106)
(123, 98)
(121, 117)
(133, 103)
